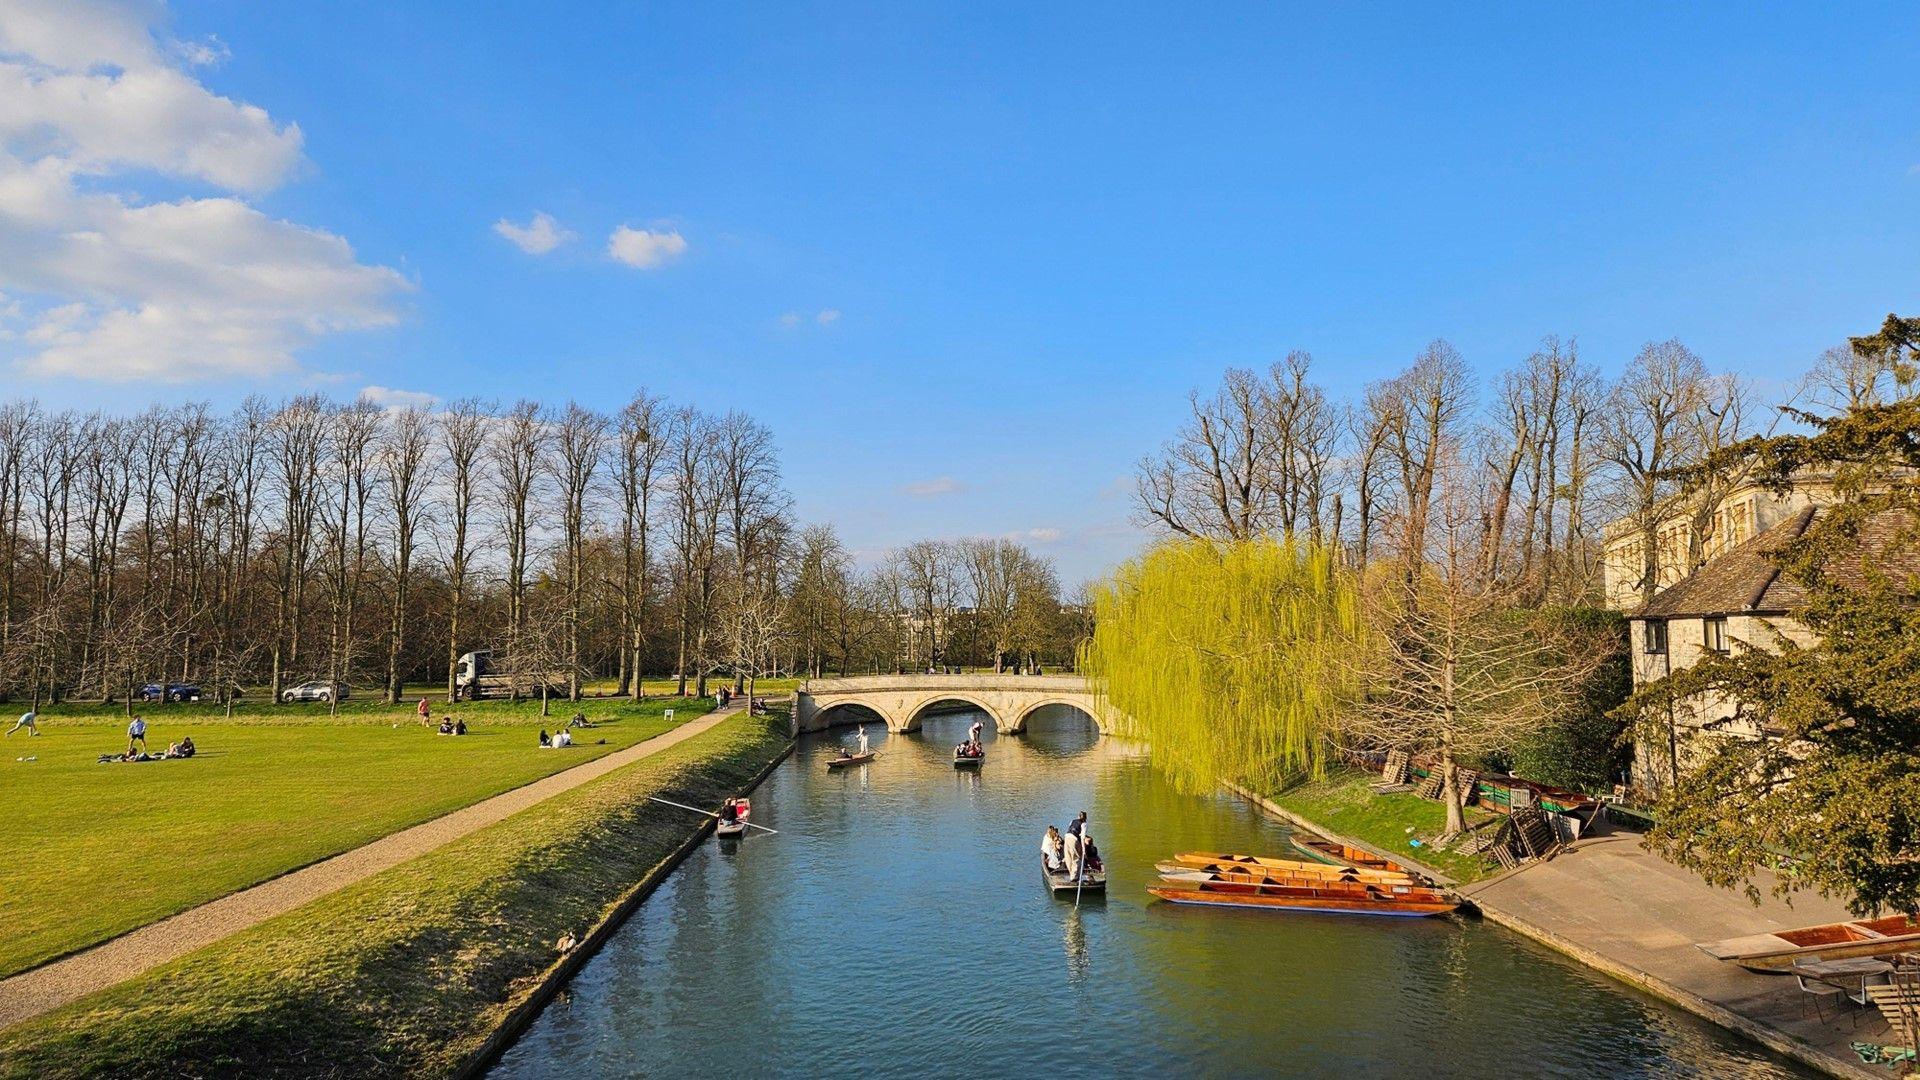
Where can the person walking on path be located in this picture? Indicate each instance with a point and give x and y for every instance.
(28, 720)
(137, 733)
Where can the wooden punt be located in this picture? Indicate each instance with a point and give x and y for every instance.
(850, 759)
(1417, 903)
(1344, 855)
(1062, 882)
(738, 826)
(963, 761)
(1830, 941)
(1235, 873)
(1214, 858)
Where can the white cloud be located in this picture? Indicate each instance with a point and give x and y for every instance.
(115, 287)
(389, 398)
(924, 489)
(828, 317)
(536, 237)
(645, 249)
(1044, 535)
(824, 317)
(790, 319)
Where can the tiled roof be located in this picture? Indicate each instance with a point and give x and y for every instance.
(1745, 581)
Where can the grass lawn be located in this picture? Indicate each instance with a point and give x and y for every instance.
(96, 850)
(1343, 803)
(405, 973)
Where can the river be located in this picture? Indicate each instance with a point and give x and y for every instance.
(897, 926)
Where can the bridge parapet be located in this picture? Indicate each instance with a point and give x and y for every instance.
(901, 700)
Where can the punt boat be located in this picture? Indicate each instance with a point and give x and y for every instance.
(1062, 882)
(1400, 901)
(1777, 951)
(1330, 851)
(1233, 872)
(723, 828)
(1215, 858)
(845, 759)
(969, 761)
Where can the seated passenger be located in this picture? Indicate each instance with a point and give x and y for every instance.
(564, 738)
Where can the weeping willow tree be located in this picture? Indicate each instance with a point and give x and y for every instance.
(1225, 657)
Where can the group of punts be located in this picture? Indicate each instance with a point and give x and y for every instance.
(1779, 950)
(1230, 880)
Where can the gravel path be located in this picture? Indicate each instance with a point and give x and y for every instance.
(50, 986)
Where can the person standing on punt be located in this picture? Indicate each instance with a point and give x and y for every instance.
(862, 734)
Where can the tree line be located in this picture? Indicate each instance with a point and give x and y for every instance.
(309, 539)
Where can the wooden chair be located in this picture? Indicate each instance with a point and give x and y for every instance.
(1818, 992)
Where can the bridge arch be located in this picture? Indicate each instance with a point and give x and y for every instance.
(901, 699)
(1082, 705)
(849, 711)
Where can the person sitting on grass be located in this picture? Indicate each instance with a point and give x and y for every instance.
(186, 747)
(546, 741)
(579, 720)
(459, 727)
(28, 720)
(446, 725)
(563, 738)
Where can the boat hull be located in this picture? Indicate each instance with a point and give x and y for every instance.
(1777, 951)
(852, 759)
(1096, 881)
(1320, 904)
(968, 762)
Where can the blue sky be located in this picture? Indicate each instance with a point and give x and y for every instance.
(1039, 225)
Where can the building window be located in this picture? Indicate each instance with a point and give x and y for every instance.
(1715, 633)
(1653, 635)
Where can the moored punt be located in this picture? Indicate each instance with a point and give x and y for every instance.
(1345, 854)
(1830, 941)
(1415, 903)
(1233, 873)
(846, 759)
(1214, 858)
(1062, 882)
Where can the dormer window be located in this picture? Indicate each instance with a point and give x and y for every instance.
(1653, 636)
(1714, 633)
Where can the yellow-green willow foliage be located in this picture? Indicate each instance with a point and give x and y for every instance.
(1225, 658)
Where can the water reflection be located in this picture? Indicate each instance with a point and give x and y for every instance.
(898, 926)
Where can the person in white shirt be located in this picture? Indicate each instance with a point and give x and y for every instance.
(1071, 843)
(863, 738)
(1050, 850)
(28, 720)
(565, 738)
(137, 733)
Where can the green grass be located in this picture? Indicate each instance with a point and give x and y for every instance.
(95, 850)
(407, 972)
(1344, 804)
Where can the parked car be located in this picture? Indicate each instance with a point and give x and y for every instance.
(173, 691)
(316, 690)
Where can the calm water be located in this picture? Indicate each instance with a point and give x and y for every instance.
(897, 926)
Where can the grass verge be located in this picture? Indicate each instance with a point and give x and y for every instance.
(407, 972)
(1344, 804)
(96, 850)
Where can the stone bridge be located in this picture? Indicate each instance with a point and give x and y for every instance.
(902, 700)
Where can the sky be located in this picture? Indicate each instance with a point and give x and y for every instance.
(965, 261)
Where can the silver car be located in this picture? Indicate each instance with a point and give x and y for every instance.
(316, 690)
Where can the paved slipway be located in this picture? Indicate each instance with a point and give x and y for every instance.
(31, 993)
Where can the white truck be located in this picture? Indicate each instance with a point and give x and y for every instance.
(478, 676)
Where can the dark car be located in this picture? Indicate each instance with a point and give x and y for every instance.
(172, 691)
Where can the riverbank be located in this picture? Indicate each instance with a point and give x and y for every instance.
(412, 971)
(1617, 908)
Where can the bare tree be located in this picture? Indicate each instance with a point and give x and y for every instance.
(640, 449)
(297, 436)
(463, 437)
(579, 443)
(517, 449)
(405, 448)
